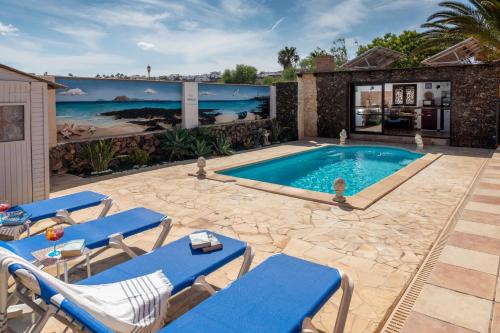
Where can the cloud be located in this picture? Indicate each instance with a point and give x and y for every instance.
(7, 29)
(145, 45)
(132, 17)
(207, 93)
(275, 25)
(150, 91)
(210, 43)
(242, 9)
(73, 92)
(89, 36)
(343, 16)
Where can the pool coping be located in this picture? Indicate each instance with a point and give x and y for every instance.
(361, 200)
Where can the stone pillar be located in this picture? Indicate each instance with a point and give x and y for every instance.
(189, 104)
(307, 110)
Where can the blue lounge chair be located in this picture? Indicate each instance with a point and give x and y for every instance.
(104, 232)
(58, 209)
(183, 266)
(280, 295)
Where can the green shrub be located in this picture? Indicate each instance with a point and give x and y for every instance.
(177, 142)
(203, 134)
(276, 130)
(139, 157)
(201, 148)
(222, 146)
(100, 154)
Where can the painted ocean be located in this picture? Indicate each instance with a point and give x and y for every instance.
(93, 112)
(108, 113)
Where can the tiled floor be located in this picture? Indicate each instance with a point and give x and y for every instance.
(462, 293)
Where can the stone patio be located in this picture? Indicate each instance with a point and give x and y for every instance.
(380, 248)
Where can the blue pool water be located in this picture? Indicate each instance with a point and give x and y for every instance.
(315, 170)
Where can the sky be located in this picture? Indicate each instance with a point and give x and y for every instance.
(86, 90)
(187, 36)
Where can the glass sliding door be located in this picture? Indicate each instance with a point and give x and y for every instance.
(368, 108)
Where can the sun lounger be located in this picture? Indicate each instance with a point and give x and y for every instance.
(279, 295)
(58, 209)
(182, 265)
(107, 231)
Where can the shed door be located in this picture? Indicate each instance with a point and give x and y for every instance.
(15, 142)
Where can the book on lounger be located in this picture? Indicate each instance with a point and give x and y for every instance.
(215, 245)
(73, 248)
(199, 240)
(205, 241)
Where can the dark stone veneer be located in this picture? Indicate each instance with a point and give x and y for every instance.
(287, 106)
(474, 95)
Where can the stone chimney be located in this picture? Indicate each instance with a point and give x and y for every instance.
(324, 64)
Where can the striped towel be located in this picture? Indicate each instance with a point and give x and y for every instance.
(136, 305)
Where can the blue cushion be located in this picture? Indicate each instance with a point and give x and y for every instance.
(274, 297)
(72, 202)
(84, 318)
(177, 260)
(95, 233)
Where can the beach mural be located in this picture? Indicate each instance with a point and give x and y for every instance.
(104, 107)
(223, 103)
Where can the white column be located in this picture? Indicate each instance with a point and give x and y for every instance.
(272, 102)
(189, 104)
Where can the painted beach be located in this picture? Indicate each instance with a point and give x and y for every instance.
(224, 103)
(90, 108)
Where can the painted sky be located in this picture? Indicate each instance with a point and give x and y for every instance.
(224, 92)
(187, 36)
(79, 90)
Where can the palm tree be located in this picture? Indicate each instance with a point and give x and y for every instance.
(479, 19)
(288, 56)
(318, 52)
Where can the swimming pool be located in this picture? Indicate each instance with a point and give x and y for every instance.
(315, 170)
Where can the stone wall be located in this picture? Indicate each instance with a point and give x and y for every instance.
(238, 131)
(474, 94)
(69, 157)
(287, 107)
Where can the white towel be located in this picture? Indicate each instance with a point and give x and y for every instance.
(135, 305)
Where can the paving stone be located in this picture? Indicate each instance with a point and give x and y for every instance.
(475, 242)
(419, 323)
(479, 261)
(480, 229)
(455, 308)
(467, 281)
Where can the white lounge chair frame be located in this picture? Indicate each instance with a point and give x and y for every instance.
(116, 241)
(63, 216)
(27, 285)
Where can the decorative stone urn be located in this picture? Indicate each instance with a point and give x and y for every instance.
(339, 188)
(202, 163)
(265, 135)
(419, 141)
(343, 137)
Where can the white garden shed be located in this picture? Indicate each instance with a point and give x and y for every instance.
(24, 147)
